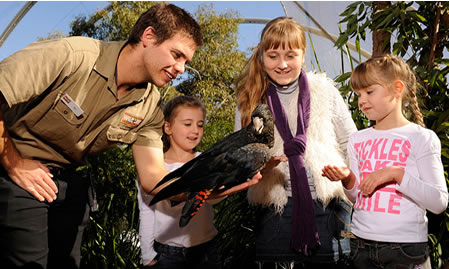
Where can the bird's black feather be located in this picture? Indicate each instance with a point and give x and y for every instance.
(229, 162)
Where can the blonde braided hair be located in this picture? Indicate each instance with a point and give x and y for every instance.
(384, 70)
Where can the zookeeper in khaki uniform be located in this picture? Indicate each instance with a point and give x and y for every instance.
(62, 100)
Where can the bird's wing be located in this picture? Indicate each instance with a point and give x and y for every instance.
(226, 144)
(225, 170)
(200, 176)
(177, 173)
(246, 162)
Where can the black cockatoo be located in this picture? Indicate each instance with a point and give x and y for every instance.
(229, 162)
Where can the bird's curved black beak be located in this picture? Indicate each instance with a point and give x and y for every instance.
(258, 124)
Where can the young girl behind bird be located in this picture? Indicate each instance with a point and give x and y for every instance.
(395, 174)
(163, 243)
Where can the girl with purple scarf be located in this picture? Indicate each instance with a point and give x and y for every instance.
(301, 215)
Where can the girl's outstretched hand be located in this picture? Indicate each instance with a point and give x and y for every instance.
(343, 174)
(335, 173)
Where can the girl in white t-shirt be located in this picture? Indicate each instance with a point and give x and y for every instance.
(395, 174)
(163, 243)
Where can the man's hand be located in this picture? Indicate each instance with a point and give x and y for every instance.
(253, 181)
(274, 161)
(31, 175)
(34, 177)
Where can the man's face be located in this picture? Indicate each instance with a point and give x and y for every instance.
(164, 62)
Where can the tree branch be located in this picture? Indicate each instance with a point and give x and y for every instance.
(379, 35)
(435, 30)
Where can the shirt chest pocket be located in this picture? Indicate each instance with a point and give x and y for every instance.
(60, 125)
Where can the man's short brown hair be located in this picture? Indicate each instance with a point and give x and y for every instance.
(166, 20)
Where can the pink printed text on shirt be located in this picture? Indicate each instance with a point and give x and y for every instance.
(374, 154)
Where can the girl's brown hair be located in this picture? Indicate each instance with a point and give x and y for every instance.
(172, 108)
(252, 83)
(384, 70)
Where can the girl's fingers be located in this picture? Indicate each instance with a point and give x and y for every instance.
(331, 173)
(366, 187)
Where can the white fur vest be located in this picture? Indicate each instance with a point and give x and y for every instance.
(322, 149)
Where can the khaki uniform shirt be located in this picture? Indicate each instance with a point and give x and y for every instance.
(62, 103)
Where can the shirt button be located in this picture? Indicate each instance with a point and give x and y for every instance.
(65, 112)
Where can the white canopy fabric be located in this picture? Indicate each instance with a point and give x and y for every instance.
(326, 15)
(319, 18)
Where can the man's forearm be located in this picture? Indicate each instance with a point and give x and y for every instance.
(9, 156)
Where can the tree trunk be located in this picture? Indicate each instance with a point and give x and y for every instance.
(434, 37)
(444, 24)
(380, 36)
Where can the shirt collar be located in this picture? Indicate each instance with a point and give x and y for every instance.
(107, 60)
(106, 66)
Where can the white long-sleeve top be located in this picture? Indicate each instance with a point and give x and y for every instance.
(397, 213)
(160, 222)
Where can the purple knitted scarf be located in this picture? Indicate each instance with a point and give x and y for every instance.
(303, 230)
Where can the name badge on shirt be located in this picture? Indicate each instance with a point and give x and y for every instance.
(68, 101)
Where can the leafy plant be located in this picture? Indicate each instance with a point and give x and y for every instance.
(111, 238)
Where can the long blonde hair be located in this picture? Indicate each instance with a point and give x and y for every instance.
(252, 83)
(384, 70)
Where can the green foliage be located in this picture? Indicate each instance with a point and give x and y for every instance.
(111, 23)
(216, 64)
(416, 40)
(234, 219)
(111, 238)
(55, 35)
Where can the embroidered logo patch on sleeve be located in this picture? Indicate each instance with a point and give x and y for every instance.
(131, 120)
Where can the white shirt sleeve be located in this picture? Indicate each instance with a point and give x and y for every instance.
(428, 188)
(343, 122)
(353, 165)
(146, 226)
